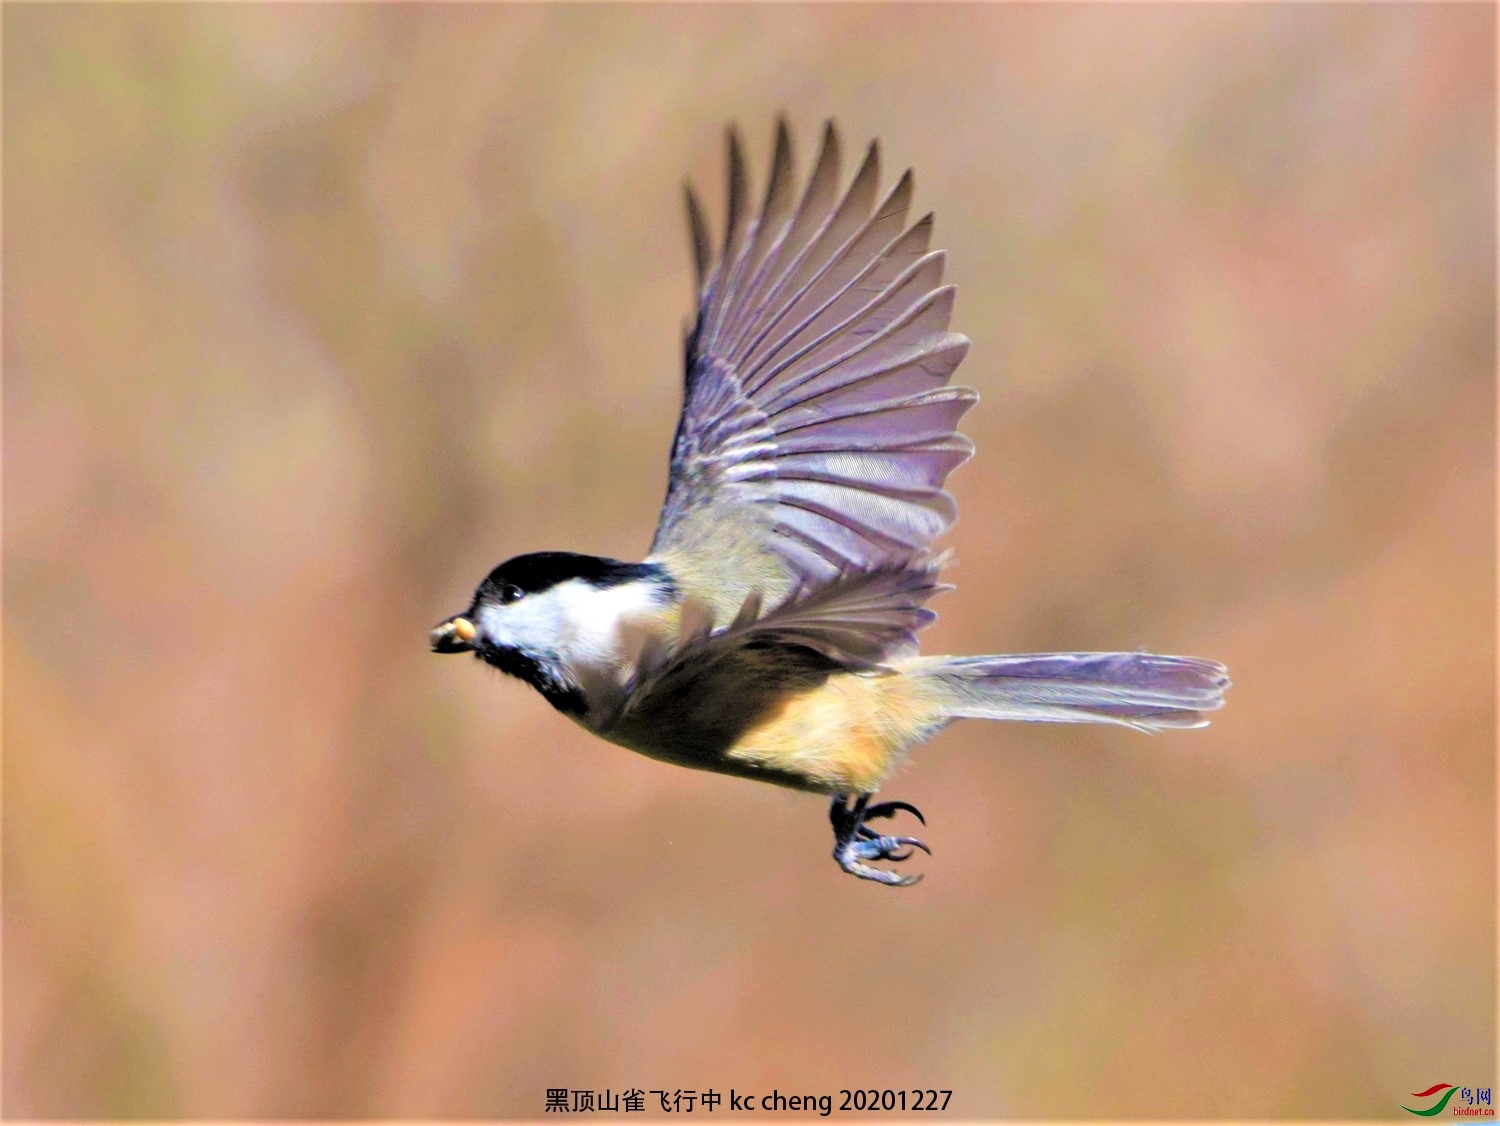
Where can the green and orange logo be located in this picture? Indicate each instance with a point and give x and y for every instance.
(1448, 1089)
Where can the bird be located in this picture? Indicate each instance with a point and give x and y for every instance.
(770, 632)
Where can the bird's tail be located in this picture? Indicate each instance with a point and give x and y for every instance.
(1140, 690)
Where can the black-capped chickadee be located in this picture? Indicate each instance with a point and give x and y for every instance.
(771, 631)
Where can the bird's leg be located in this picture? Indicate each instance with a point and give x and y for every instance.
(855, 842)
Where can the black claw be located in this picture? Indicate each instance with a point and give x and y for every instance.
(910, 843)
(889, 845)
(891, 808)
(855, 842)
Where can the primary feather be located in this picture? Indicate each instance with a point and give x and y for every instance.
(818, 426)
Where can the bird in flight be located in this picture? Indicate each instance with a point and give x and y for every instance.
(771, 631)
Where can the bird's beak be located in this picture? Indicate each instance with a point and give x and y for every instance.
(456, 635)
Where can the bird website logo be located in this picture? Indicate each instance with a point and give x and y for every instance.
(1468, 1102)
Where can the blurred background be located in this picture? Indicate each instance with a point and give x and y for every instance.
(316, 313)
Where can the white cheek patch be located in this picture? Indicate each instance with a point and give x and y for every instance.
(592, 620)
(578, 624)
(532, 624)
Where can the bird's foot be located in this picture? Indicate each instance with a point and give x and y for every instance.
(854, 842)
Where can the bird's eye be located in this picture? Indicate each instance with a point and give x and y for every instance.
(509, 592)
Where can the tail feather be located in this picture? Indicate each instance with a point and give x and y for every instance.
(1140, 690)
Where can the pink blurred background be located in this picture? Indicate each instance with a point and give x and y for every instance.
(316, 313)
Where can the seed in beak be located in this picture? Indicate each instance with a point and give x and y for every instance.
(456, 635)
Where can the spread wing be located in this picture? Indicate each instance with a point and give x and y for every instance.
(818, 425)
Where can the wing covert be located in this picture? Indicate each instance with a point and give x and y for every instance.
(853, 622)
